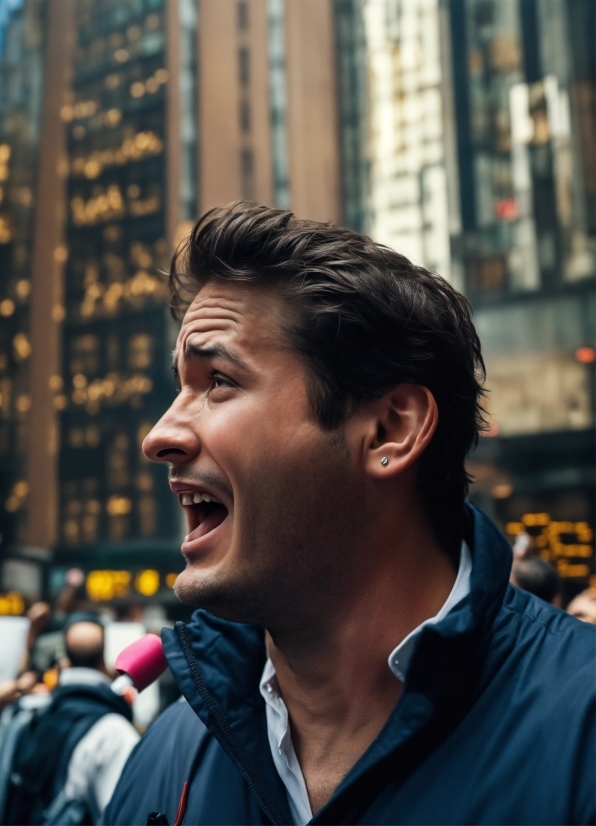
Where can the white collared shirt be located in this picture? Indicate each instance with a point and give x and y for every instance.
(278, 724)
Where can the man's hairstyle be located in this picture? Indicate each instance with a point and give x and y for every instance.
(364, 319)
(536, 576)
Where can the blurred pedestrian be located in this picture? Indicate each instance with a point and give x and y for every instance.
(12, 690)
(523, 545)
(539, 577)
(583, 606)
(68, 759)
(45, 641)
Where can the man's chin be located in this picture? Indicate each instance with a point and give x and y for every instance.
(213, 592)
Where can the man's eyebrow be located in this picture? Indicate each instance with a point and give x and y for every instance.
(193, 350)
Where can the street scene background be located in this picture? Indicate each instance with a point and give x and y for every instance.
(459, 132)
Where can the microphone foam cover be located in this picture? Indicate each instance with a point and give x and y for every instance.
(144, 661)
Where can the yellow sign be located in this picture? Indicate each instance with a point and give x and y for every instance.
(147, 583)
(107, 585)
(12, 604)
(567, 545)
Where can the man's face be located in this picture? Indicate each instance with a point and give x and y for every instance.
(285, 494)
(583, 607)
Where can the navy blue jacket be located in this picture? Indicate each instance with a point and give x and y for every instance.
(495, 724)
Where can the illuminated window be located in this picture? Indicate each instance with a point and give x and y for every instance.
(118, 528)
(147, 507)
(70, 530)
(118, 466)
(84, 354)
(139, 351)
(76, 437)
(21, 347)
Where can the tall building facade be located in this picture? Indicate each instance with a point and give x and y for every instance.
(21, 73)
(33, 73)
(158, 110)
(116, 333)
(468, 144)
(523, 91)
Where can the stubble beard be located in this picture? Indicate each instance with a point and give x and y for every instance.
(296, 537)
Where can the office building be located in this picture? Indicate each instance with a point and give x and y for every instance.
(468, 144)
(526, 248)
(158, 110)
(31, 257)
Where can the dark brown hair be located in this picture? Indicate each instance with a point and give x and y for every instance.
(364, 319)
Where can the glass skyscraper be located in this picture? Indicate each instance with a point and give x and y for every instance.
(474, 143)
(523, 71)
(115, 362)
(21, 86)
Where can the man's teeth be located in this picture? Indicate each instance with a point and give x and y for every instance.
(196, 498)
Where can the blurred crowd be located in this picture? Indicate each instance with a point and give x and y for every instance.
(534, 574)
(65, 735)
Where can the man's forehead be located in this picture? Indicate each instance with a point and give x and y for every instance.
(248, 314)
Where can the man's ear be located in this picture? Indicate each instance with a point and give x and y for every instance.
(405, 419)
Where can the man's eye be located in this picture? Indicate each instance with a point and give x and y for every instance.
(217, 380)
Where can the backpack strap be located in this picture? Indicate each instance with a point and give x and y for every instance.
(21, 719)
(80, 729)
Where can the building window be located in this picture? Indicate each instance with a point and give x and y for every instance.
(139, 351)
(85, 354)
(247, 167)
(118, 464)
(244, 116)
(147, 508)
(244, 66)
(242, 11)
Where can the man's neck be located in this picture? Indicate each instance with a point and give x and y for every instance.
(335, 681)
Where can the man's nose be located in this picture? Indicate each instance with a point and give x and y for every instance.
(171, 440)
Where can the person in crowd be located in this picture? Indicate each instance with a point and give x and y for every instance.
(538, 577)
(11, 691)
(45, 641)
(359, 655)
(583, 606)
(67, 760)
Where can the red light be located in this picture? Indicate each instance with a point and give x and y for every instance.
(586, 355)
(507, 209)
(493, 430)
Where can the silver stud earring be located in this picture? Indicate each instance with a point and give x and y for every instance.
(384, 461)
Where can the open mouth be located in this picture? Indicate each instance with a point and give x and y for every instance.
(203, 512)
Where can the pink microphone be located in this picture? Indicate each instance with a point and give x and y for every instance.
(140, 664)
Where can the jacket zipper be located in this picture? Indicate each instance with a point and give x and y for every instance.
(227, 738)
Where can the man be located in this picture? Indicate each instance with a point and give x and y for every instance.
(583, 606)
(68, 761)
(358, 656)
(536, 575)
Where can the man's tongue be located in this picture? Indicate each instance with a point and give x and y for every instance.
(210, 517)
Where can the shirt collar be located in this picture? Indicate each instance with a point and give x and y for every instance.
(400, 657)
(83, 676)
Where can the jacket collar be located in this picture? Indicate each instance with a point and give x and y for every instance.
(218, 665)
